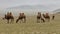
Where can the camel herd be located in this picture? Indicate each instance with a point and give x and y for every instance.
(22, 16)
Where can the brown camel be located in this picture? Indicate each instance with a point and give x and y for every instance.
(46, 16)
(21, 17)
(9, 16)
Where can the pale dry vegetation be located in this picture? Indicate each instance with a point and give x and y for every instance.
(31, 26)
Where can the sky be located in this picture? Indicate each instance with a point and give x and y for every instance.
(51, 4)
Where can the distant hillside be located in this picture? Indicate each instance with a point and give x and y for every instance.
(56, 11)
(27, 9)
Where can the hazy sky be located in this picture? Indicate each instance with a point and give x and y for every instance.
(51, 4)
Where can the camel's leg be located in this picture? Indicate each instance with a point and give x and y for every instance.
(53, 17)
(24, 20)
(42, 19)
(38, 20)
(48, 19)
(12, 20)
(17, 20)
(8, 21)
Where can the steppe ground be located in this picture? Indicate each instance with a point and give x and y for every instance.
(31, 26)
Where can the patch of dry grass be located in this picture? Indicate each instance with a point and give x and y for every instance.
(31, 27)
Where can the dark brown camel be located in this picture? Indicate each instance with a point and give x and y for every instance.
(53, 17)
(46, 16)
(21, 17)
(9, 16)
